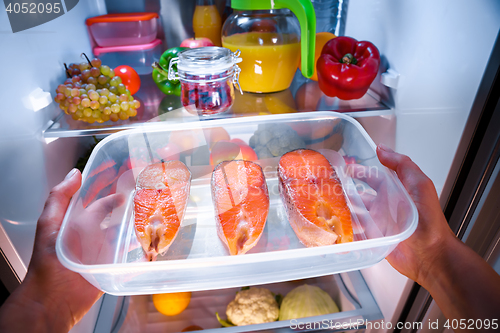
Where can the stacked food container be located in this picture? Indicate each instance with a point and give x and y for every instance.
(126, 39)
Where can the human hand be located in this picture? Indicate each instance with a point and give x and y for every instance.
(55, 297)
(463, 285)
(416, 256)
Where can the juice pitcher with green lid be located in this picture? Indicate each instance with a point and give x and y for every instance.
(272, 35)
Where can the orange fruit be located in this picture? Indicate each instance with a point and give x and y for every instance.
(321, 39)
(171, 304)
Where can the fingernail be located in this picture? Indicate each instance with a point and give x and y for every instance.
(385, 148)
(71, 174)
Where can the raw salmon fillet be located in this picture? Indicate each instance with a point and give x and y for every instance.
(162, 192)
(314, 199)
(241, 201)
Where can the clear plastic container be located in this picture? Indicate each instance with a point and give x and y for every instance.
(140, 57)
(97, 238)
(123, 28)
(207, 76)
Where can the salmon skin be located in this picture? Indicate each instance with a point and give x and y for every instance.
(315, 203)
(241, 201)
(160, 201)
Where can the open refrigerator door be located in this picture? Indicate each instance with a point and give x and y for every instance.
(419, 104)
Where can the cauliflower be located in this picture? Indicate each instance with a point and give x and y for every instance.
(253, 306)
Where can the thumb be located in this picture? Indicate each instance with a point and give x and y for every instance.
(418, 185)
(390, 158)
(405, 168)
(58, 201)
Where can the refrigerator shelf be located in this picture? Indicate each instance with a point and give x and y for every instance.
(349, 291)
(152, 100)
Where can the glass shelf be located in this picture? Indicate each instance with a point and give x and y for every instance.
(348, 290)
(155, 106)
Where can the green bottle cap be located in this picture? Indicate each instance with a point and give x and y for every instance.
(304, 11)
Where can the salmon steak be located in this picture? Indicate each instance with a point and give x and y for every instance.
(241, 201)
(314, 199)
(160, 201)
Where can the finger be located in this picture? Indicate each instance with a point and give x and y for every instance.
(58, 201)
(389, 157)
(414, 180)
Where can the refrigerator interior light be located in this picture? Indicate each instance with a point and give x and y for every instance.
(38, 99)
(49, 140)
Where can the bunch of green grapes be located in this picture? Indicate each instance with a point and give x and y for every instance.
(94, 94)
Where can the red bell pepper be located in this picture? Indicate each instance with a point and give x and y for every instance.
(346, 67)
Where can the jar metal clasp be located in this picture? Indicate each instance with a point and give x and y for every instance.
(236, 57)
(236, 78)
(171, 74)
(237, 70)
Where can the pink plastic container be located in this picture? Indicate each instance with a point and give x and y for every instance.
(140, 57)
(123, 28)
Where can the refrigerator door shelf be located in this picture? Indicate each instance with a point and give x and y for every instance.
(348, 290)
(113, 259)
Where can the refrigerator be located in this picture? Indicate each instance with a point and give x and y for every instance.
(435, 99)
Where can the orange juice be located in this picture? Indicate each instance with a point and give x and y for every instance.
(270, 59)
(207, 23)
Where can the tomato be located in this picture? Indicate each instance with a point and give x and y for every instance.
(129, 77)
(239, 142)
(215, 134)
(236, 149)
(247, 153)
(224, 151)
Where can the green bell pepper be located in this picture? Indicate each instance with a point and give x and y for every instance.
(160, 72)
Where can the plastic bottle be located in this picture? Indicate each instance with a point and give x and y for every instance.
(228, 10)
(326, 13)
(331, 15)
(207, 21)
